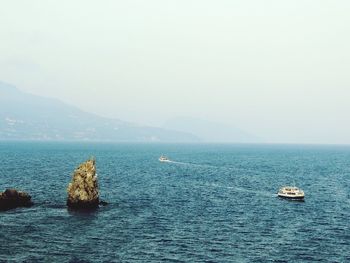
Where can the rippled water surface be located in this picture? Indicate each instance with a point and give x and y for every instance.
(215, 203)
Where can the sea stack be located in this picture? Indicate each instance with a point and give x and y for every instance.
(83, 190)
(12, 198)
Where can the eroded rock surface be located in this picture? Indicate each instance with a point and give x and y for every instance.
(12, 198)
(83, 190)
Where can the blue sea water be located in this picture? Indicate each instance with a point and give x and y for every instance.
(214, 203)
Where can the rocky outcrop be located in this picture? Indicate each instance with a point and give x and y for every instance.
(83, 190)
(12, 198)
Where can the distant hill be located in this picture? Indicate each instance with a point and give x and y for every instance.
(28, 117)
(209, 131)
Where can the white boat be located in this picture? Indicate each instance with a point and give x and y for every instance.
(291, 192)
(164, 159)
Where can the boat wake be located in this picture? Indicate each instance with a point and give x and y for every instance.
(232, 188)
(177, 162)
(244, 190)
(210, 166)
(194, 164)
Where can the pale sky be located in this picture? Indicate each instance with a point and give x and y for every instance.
(278, 69)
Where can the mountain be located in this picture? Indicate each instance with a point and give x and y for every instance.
(209, 131)
(29, 117)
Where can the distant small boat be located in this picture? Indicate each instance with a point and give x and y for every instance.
(164, 159)
(291, 192)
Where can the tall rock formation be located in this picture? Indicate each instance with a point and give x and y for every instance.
(83, 190)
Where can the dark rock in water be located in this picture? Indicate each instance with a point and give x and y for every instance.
(82, 204)
(83, 190)
(12, 198)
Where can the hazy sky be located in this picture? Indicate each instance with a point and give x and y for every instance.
(278, 69)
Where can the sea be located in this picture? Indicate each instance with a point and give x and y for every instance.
(211, 203)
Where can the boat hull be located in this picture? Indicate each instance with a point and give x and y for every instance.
(164, 160)
(301, 197)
